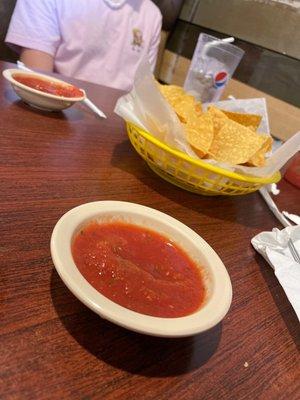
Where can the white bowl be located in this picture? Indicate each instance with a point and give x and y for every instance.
(36, 98)
(217, 281)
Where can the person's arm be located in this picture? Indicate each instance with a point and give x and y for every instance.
(34, 32)
(37, 59)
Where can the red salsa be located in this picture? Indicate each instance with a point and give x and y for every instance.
(138, 269)
(293, 172)
(47, 86)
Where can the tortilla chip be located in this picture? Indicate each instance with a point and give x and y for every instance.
(200, 137)
(183, 104)
(171, 90)
(186, 109)
(219, 118)
(250, 120)
(198, 108)
(235, 144)
(219, 134)
(259, 158)
(172, 93)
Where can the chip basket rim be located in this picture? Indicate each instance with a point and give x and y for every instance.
(218, 170)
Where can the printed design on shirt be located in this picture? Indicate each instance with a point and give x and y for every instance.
(137, 40)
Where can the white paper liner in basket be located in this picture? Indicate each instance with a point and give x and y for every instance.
(146, 107)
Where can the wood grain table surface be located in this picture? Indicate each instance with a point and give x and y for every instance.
(52, 346)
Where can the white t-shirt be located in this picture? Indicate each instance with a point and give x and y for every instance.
(101, 41)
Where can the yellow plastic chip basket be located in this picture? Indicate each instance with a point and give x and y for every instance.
(189, 173)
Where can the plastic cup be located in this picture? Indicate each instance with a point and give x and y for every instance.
(213, 64)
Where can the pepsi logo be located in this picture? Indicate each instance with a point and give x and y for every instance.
(220, 79)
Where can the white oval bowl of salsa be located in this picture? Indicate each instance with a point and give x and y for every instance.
(42, 91)
(218, 289)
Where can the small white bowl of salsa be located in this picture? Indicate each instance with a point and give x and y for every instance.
(141, 269)
(42, 91)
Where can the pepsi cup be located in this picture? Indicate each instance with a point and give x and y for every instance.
(212, 65)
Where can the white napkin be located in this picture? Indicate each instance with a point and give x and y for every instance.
(273, 246)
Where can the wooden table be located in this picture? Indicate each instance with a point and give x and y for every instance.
(52, 346)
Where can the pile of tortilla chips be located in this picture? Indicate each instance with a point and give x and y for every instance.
(218, 134)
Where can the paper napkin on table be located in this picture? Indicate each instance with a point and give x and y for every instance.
(273, 246)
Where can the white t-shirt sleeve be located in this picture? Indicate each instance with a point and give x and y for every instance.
(34, 25)
(153, 49)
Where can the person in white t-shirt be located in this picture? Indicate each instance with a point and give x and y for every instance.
(101, 41)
